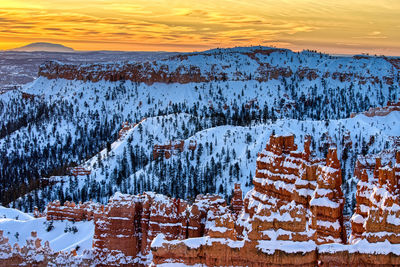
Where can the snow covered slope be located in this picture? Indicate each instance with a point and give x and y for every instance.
(17, 226)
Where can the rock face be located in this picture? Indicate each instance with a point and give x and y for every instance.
(72, 212)
(380, 111)
(237, 200)
(170, 149)
(129, 223)
(328, 202)
(377, 214)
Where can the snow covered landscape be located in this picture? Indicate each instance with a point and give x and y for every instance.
(285, 135)
(17, 227)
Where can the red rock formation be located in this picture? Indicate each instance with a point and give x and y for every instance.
(377, 216)
(309, 74)
(237, 199)
(117, 228)
(130, 223)
(71, 212)
(37, 213)
(380, 111)
(124, 129)
(166, 151)
(276, 212)
(32, 254)
(78, 171)
(328, 202)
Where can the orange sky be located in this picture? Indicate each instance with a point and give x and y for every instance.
(340, 26)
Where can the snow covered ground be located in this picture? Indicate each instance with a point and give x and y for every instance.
(17, 226)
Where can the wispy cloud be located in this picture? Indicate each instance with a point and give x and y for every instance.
(190, 25)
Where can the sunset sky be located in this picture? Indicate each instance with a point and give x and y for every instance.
(340, 26)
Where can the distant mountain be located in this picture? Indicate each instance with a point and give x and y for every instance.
(47, 47)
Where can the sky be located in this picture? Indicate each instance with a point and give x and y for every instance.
(339, 26)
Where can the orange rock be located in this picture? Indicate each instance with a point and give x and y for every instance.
(71, 212)
(237, 199)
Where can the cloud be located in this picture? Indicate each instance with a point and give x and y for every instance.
(153, 23)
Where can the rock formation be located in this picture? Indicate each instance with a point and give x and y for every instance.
(129, 223)
(377, 214)
(125, 127)
(166, 151)
(78, 171)
(237, 200)
(72, 212)
(275, 227)
(327, 202)
(380, 111)
(293, 216)
(32, 254)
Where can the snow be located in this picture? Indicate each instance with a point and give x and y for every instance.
(269, 247)
(14, 214)
(19, 230)
(357, 218)
(362, 246)
(324, 202)
(392, 219)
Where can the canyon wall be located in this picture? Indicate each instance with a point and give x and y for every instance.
(72, 212)
(258, 64)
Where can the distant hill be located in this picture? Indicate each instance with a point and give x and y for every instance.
(47, 47)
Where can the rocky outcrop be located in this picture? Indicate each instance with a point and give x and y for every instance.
(237, 199)
(380, 111)
(293, 216)
(72, 212)
(125, 127)
(377, 214)
(129, 223)
(32, 254)
(166, 151)
(328, 202)
(78, 171)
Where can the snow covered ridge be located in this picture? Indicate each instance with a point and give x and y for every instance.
(234, 64)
